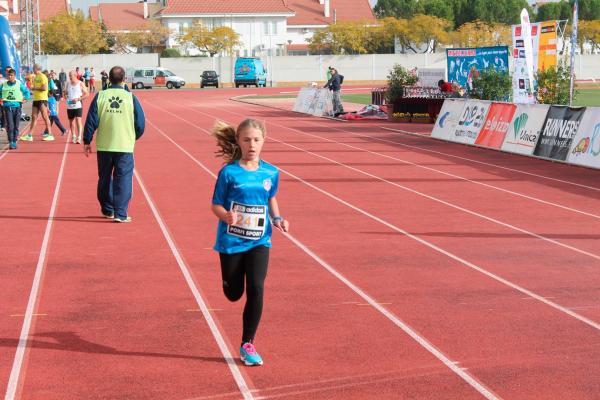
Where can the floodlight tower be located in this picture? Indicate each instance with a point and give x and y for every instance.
(29, 31)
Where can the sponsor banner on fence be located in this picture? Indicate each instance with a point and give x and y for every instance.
(560, 128)
(464, 64)
(314, 101)
(525, 128)
(496, 125)
(448, 118)
(585, 149)
(470, 122)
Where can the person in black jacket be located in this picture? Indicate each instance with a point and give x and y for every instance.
(335, 85)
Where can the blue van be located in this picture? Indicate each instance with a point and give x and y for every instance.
(250, 71)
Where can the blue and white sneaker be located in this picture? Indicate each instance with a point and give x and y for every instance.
(249, 355)
(13, 146)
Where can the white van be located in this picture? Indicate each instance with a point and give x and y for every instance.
(141, 78)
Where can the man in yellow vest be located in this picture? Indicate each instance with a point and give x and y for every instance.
(117, 117)
(40, 105)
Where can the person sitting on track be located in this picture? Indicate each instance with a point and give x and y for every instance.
(243, 200)
(119, 118)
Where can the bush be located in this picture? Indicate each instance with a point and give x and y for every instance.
(398, 77)
(169, 53)
(491, 84)
(553, 85)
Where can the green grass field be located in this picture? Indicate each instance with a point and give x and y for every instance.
(588, 97)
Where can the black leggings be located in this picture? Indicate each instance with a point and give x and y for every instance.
(252, 265)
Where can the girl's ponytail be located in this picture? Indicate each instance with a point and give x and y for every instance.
(226, 141)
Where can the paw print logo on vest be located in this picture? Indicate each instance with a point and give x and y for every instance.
(115, 102)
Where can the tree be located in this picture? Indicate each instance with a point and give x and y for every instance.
(588, 9)
(438, 8)
(397, 8)
(480, 34)
(151, 34)
(554, 85)
(72, 34)
(212, 41)
(349, 38)
(429, 31)
(554, 11)
(589, 31)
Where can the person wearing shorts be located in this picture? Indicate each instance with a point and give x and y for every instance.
(76, 91)
(243, 200)
(92, 80)
(40, 88)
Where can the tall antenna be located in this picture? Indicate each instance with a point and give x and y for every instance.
(29, 31)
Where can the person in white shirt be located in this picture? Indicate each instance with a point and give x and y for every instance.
(76, 91)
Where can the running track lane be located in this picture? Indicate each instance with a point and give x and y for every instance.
(530, 322)
(116, 317)
(581, 295)
(29, 181)
(305, 306)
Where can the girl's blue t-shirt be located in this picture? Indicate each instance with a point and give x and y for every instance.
(248, 192)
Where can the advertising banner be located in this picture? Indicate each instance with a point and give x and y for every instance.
(528, 48)
(525, 128)
(496, 125)
(560, 128)
(585, 149)
(547, 51)
(465, 64)
(448, 118)
(470, 122)
(314, 101)
(521, 86)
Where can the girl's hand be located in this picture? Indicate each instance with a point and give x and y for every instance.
(282, 224)
(231, 217)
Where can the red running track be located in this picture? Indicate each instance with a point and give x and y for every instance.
(416, 269)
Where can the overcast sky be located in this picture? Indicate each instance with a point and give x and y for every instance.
(84, 5)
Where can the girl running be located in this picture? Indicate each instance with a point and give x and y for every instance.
(53, 109)
(243, 199)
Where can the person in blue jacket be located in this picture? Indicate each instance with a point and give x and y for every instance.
(13, 93)
(243, 200)
(53, 111)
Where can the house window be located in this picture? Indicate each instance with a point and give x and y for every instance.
(217, 22)
(274, 28)
(267, 27)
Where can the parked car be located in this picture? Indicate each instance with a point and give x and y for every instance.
(148, 77)
(209, 78)
(250, 71)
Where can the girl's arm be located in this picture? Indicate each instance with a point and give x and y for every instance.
(229, 217)
(280, 223)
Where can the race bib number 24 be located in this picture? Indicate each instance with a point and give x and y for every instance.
(250, 223)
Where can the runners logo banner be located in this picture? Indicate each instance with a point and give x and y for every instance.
(524, 131)
(496, 125)
(586, 144)
(560, 128)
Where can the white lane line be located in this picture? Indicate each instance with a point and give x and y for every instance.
(487, 393)
(429, 168)
(235, 371)
(477, 161)
(15, 373)
(433, 198)
(3, 152)
(432, 246)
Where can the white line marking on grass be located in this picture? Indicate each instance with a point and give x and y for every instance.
(433, 198)
(432, 246)
(235, 371)
(15, 373)
(389, 315)
(481, 162)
